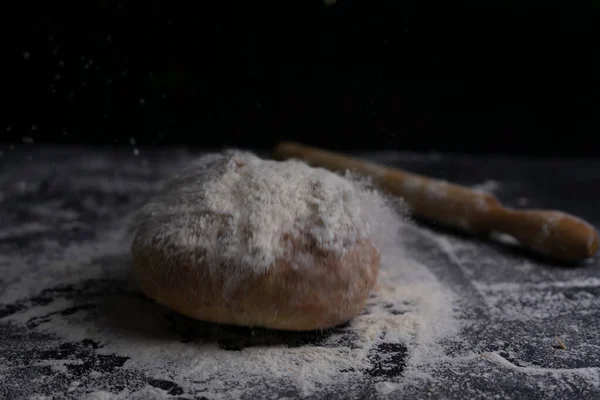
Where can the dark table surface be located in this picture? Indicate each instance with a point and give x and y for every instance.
(64, 265)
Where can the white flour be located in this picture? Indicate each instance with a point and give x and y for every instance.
(509, 331)
(409, 308)
(136, 328)
(236, 208)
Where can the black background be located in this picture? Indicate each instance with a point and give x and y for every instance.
(485, 77)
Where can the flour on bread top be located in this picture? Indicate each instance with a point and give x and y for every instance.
(234, 208)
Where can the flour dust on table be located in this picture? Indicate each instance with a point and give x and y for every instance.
(451, 317)
(97, 327)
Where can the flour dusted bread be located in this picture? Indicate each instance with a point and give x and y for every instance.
(240, 240)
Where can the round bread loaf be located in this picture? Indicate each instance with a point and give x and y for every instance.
(240, 240)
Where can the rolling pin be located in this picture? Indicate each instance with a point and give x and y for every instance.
(552, 234)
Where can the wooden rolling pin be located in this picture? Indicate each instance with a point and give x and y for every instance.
(552, 234)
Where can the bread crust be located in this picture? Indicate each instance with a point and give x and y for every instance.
(324, 292)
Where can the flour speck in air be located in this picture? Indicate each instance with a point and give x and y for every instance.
(489, 186)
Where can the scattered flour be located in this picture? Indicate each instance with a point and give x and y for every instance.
(84, 292)
(409, 309)
(591, 374)
(25, 229)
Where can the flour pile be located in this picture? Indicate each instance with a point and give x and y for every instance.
(86, 298)
(236, 208)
